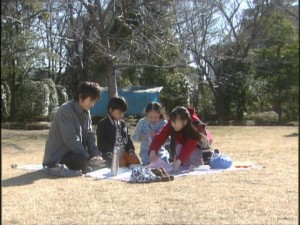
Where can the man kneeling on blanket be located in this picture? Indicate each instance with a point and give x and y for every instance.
(70, 141)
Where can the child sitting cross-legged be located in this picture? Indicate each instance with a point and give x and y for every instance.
(113, 132)
(147, 128)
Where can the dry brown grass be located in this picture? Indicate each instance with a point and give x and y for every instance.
(267, 196)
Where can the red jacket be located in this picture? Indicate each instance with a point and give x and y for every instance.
(188, 146)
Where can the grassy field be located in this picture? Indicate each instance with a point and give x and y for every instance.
(266, 196)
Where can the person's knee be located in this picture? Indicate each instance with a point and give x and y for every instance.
(131, 159)
(76, 161)
(122, 163)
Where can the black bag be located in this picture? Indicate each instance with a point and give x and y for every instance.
(207, 155)
(206, 151)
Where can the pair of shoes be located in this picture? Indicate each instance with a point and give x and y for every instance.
(62, 171)
(162, 173)
(165, 173)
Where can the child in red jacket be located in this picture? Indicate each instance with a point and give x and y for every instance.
(184, 139)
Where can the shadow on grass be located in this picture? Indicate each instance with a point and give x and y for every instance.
(292, 135)
(25, 179)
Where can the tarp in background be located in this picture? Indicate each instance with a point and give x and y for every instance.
(136, 97)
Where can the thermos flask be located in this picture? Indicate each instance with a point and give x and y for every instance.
(115, 161)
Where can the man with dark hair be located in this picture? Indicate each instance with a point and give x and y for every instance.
(70, 141)
(112, 132)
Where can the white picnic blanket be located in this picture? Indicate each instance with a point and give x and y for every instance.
(124, 173)
(29, 167)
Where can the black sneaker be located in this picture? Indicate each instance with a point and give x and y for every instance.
(62, 171)
(87, 169)
(217, 151)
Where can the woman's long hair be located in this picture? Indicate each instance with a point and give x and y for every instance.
(189, 131)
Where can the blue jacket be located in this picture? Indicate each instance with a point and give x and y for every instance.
(144, 127)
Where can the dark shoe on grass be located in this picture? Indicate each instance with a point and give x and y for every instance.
(62, 171)
(160, 172)
(165, 174)
(87, 169)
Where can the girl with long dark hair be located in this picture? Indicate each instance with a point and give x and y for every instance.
(184, 139)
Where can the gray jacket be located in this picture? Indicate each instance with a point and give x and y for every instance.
(70, 130)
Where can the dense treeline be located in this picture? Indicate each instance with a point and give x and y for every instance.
(230, 59)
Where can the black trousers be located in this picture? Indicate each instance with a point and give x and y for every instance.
(75, 161)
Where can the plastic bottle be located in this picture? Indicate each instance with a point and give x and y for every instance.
(115, 161)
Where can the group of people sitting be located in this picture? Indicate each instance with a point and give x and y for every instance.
(71, 148)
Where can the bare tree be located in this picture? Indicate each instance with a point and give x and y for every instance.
(124, 32)
(218, 36)
(195, 25)
(50, 29)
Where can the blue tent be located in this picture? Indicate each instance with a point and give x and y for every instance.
(136, 97)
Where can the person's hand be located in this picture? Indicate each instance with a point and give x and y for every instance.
(97, 157)
(176, 165)
(203, 138)
(152, 134)
(153, 157)
(96, 161)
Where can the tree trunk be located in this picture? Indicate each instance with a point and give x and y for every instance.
(241, 101)
(279, 112)
(75, 81)
(279, 106)
(219, 108)
(111, 79)
(12, 76)
(196, 97)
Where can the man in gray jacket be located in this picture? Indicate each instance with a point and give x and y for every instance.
(70, 141)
